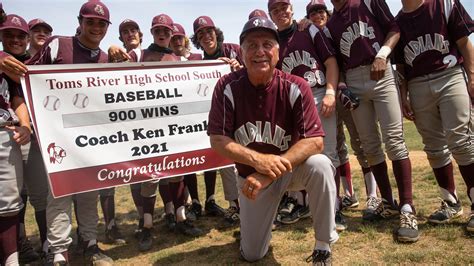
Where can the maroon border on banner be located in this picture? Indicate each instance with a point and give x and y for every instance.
(66, 183)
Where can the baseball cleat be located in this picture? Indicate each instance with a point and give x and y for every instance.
(384, 210)
(446, 212)
(341, 223)
(408, 230)
(470, 223)
(349, 202)
(320, 257)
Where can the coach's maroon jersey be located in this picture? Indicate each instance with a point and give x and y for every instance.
(358, 30)
(229, 50)
(268, 119)
(428, 36)
(66, 50)
(303, 53)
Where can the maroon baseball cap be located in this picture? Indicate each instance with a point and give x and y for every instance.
(258, 23)
(39, 22)
(258, 13)
(162, 20)
(128, 22)
(95, 9)
(203, 22)
(271, 3)
(14, 22)
(315, 5)
(178, 30)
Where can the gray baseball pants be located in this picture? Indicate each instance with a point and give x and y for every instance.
(58, 217)
(316, 176)
(379, 102)
(443, 116)
(35, 176)
(11, 174)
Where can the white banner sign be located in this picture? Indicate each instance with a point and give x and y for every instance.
(104, 125)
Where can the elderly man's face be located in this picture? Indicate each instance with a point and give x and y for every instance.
(260, 52)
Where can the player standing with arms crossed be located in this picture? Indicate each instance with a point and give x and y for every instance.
(266, 121)
(364, 33)
(434, 44)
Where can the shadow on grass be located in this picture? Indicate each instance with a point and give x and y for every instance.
(229, 254)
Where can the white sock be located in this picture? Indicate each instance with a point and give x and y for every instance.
(12, 260)
(320, 245)
(91, 243)
(406, 208)
(210, 198)
(59, 257)
(371, 184)
(169, 207)
(180, 214)
(232, 203)
(147, 220)
(446, 195)
(111, 224)
(299, 198)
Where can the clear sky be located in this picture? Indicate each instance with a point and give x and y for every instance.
(229, 15)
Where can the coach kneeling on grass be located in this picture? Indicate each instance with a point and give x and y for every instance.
(266, 121)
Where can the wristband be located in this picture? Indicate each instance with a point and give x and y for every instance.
(384, 52)
(330, 92)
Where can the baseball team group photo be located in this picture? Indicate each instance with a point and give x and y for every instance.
(272, 132)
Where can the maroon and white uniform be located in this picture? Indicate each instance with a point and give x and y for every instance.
(67, 50)
(275, 112)
(270, 120)
(359, 29)
(193, 56)
(428, 37)
(437, 90)
(229, 50)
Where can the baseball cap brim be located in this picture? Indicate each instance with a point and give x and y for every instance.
(13, 28)
(162, 25)
(44, 24)
(128, 23)
(99, 17)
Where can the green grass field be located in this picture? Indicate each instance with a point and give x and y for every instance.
(362, 243)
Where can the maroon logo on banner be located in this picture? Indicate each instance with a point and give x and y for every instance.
(56, 153)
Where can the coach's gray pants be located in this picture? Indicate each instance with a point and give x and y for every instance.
(316, 176)
(58, 217)
(35, 176)
(229, 183)
(379, 104)
(11, 174)
(443, 116)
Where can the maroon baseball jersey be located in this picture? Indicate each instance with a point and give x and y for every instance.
(8, 90)
(303, 53)
(153, 53)
(358, 30)
(66, 50)
(428, 36)
(266, 119)
(229, 50)
(193, 56)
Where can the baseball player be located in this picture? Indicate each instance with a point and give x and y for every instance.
(131, 38)
(210, 39)
(180, 44)
(15, 130)
(257, 13)
(364, 34)
(94, 20)
(319, 69)
(434, 46)
(172, 189)
(40, 31)
(276, 147)
(317, 12)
